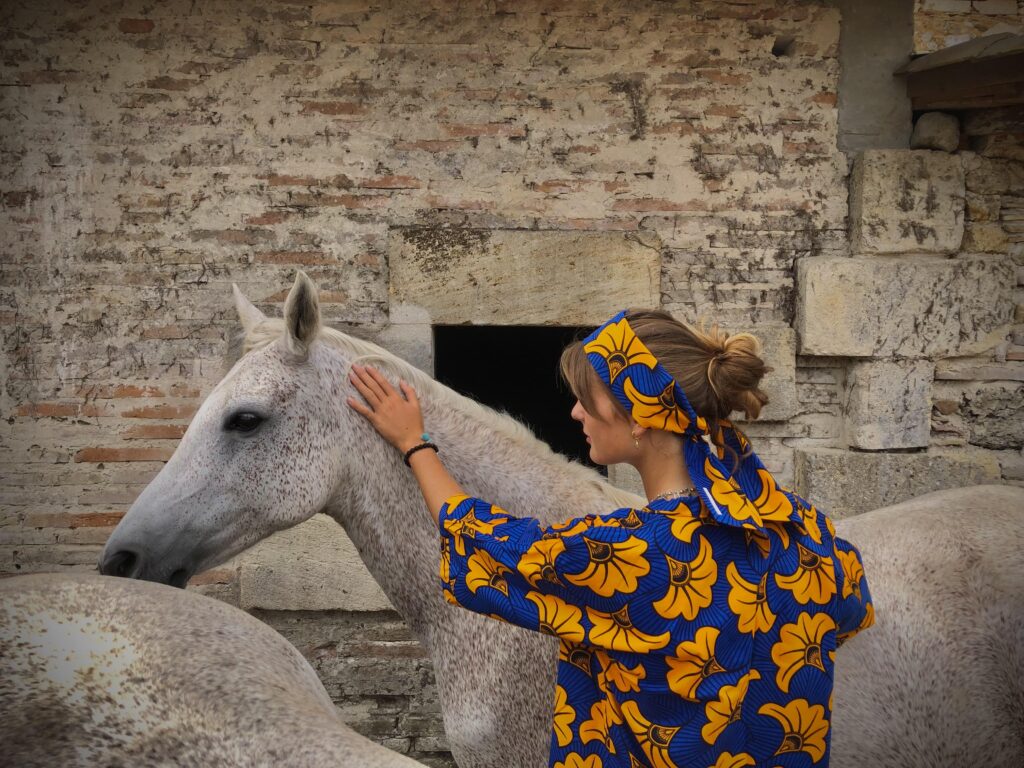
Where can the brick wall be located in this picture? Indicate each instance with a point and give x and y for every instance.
(153, 154)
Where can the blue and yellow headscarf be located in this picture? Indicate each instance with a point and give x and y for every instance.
(746, 495)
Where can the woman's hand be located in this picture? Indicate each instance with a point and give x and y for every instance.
(398, 419)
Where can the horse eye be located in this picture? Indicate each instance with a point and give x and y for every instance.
(243, 421)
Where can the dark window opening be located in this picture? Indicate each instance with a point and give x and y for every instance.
(515, 369)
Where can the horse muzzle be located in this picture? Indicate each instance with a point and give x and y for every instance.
(129, 564)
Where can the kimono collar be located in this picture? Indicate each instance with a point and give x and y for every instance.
(747, 495)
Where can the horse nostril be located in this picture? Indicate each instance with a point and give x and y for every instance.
(124, 563)
(179, 578)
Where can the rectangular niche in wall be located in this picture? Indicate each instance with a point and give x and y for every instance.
(515, 369)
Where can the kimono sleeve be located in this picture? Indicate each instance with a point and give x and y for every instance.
(574, 580)
(855, 610)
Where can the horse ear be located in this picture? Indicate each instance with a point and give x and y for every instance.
(301, 315)
(248, 313)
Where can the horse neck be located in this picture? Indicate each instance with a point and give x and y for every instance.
(383, 512)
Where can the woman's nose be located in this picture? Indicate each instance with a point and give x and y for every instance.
(577, 411)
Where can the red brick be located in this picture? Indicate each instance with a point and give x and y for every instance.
(280, 180)
(333, 108)
(429, 145)
(165, 83)
(368, 260)
(340, 181)
(724, 78)
(658, 204)
(136, 26)
(722, 110)
(391, 182)
(559, 185)
(673, 129)
(484, 129)
(123, 454)
(163, 411)
(58, 410)
(214, 576)
(270, 217)
(155, 431)
(64, 520)
(825, 97)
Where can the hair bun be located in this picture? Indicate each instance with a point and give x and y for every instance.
(735, 370)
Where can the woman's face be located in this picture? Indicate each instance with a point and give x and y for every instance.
(609, 434)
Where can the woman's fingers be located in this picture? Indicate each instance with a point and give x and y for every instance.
(364, 389)
(382, 384)
(375, 381)
(360, 408)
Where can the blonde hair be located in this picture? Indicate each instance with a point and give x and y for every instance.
(718, 371)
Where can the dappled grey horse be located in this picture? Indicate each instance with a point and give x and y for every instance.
(937, 681)
(97, 671)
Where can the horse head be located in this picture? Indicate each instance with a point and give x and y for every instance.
(264, 452)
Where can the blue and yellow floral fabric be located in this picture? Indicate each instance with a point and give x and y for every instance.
(684, 642)
(699, 631)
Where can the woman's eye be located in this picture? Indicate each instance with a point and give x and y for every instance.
(243, 421)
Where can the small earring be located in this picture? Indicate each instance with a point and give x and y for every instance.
(636, 441)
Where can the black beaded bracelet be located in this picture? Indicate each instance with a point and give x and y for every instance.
(415, 448)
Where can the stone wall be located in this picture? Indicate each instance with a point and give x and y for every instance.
(939, 24)
(152, 155)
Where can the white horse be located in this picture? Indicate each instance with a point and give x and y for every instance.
(275, 443)
(108, 672)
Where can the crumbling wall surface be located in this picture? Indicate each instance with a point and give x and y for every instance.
(926, 314)
(939, 24)
(154, 153)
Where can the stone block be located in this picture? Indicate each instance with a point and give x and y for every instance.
(968, 369)
(311, 567)
(413, 342)
(845, 483)
(779, 351)
(936, 130)
(517, 277)
(907, 307)
(994, 413)
(906, 201)
(985, 237)
(888, 404)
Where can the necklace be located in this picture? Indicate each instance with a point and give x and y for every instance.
(675, 494)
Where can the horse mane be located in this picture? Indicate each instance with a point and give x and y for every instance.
(271, 329)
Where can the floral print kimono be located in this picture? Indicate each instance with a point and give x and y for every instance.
(700, 631)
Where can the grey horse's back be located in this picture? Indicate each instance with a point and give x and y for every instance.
(103, 671)
(939, 679)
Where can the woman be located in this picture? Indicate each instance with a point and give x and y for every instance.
(698, 631)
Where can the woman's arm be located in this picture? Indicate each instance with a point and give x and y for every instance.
(400, 421)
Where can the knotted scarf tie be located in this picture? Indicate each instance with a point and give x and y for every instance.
(746, 495)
